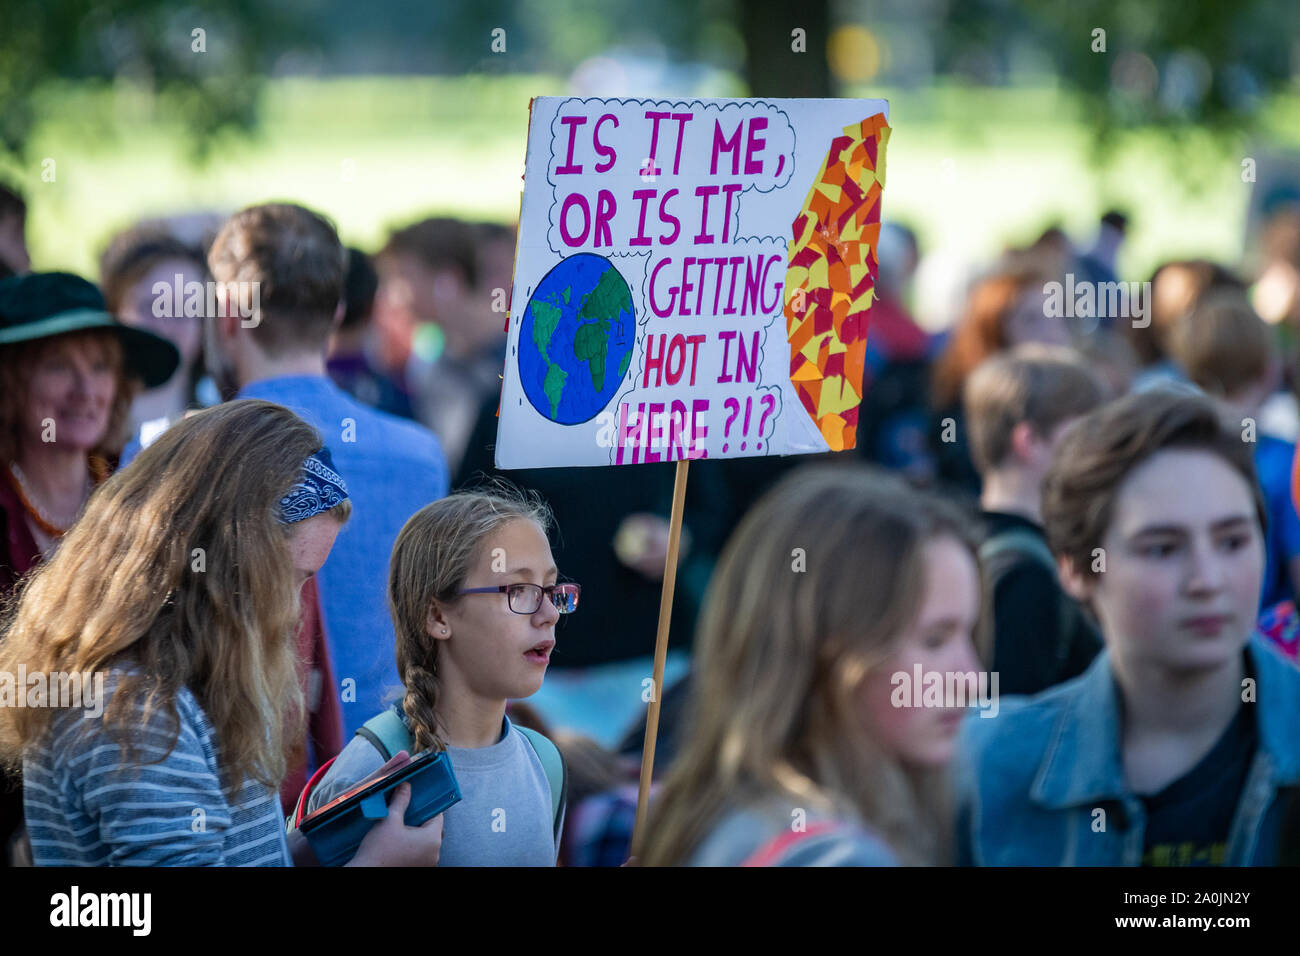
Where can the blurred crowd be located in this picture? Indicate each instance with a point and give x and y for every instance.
(979, 526)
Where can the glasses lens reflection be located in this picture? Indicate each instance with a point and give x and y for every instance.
(527, 598)
(565, 598)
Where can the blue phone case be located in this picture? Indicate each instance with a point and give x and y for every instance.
(335, 836)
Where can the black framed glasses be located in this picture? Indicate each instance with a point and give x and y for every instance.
(527, 598)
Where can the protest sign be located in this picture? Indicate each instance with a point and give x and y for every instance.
(692, 279)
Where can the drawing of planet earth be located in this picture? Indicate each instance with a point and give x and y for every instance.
(576, 340)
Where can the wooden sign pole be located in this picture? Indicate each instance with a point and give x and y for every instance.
(661, 653)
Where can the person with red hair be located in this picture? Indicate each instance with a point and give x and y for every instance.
(1004, 309)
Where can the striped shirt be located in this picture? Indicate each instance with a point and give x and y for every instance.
(86, 807)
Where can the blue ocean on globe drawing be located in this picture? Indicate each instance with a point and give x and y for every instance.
(575, 343)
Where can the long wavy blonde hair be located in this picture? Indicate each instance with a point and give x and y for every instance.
(433, 555)
(128, 585)
(809, 595)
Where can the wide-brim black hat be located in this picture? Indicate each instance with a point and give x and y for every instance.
(45, 304)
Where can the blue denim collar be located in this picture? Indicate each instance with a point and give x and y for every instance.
(1277, 693)
(1083, 765)
(1082, 761)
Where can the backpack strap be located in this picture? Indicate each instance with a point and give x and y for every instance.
(1017, 542)
(300, 808)
(779, 845)
(557, 774)
(388, 733)
(998, 553)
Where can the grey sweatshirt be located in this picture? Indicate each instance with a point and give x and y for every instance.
(504, 816)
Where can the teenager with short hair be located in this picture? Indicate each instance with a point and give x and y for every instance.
(1176, 746)
(1227, 350)
(456, 275)
(393, 466)
(1018, 406)
(1176, 287)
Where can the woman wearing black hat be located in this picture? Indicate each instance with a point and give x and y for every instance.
(66, 376)
(67, 373)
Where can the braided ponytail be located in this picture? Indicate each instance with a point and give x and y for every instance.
(420, 707)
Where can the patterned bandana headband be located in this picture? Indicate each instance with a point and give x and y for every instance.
(318, 490)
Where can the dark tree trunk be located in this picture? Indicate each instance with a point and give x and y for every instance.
(772, 68)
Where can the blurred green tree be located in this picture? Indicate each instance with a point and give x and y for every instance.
(1168, 63)
(203, 65)
(1175, 63)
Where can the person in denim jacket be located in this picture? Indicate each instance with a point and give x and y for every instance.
(1175, 746)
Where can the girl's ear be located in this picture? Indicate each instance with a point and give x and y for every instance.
(436, 623)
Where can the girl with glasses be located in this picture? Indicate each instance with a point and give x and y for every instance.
(474, 596)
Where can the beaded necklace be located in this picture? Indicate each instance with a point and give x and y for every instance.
(98, 472)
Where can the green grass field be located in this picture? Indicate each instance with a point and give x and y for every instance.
(971, 169)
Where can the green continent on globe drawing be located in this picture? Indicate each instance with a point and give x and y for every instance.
(603, 304)
(546, 318)
(600, 307)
